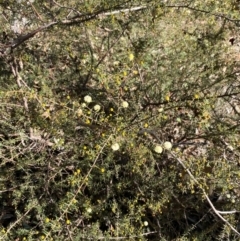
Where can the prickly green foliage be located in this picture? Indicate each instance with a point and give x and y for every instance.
(85, 101)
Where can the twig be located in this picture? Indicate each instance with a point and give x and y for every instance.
(35, 10)
(123, 11)
(70, 235)
(218, 213)
(22, 38)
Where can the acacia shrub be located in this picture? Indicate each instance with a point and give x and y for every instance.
(75, 170)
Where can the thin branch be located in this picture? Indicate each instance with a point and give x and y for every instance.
(133, 9)
(218, 213)
(35, 10)
(228, 212)
(22, 38)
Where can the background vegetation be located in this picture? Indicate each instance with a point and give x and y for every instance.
(91, 91)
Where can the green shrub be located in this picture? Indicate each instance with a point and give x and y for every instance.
(119, 124)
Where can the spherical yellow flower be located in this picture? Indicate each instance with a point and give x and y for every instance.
(68, 222)
(88, 99)
(125, 104)
(115, 146)
(196, 96)
(158, 149)
(97, 108)
(145, 223)
(167, 97)
(135, 72)
(177, 149)
(89, 210)
(131, 57)
(167, 145)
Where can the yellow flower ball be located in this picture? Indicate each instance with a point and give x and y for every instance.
(196, 96)
(115, 147)
(89, 210)
(88, 99)
(145, 223)
(97, 108)
(68, 222)
(125, 104)
(167, 145)
(158, 149)
(135, 72)
(131, 57)
(167, 97)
